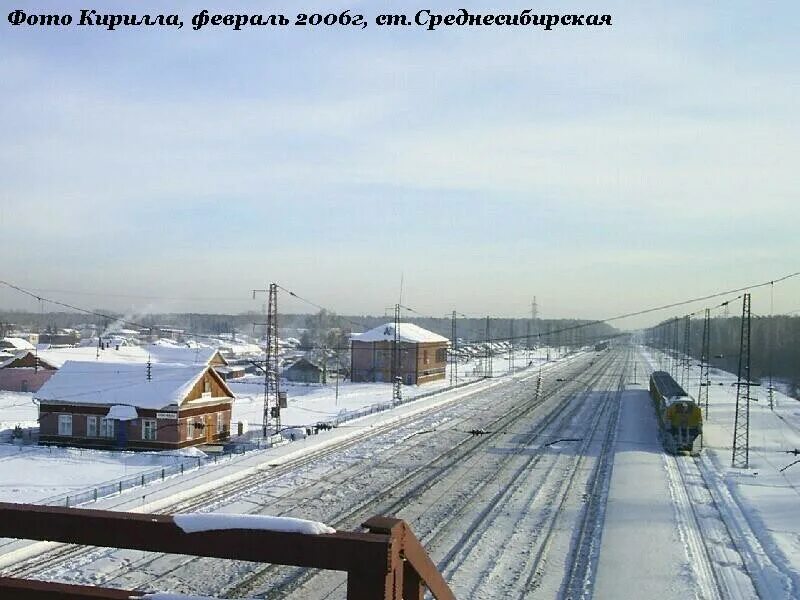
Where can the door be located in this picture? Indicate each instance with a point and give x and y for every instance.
(209, 429)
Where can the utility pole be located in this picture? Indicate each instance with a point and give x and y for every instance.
(511, 346)
(397, 380)
(272, 405)
(687, 361)
(453, 350)
(741, 425)
(674, 360)
(705, 358)
(528, 339)
(338, 373)
(488, 366)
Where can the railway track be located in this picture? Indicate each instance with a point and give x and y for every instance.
(51, 561)
(452, 512)
(534, 498)
(65, 553)
(725, 554)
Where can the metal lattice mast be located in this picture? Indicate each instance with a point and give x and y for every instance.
(687, 361)
(674, 361)
(741, 425)
(453, 349)
(397, 381)
(272, 407)
(488, 367)
(705, 358)
(511, 346)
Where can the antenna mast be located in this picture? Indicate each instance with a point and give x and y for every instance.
(741, 425)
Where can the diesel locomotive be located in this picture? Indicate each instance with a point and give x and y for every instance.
(680, 417)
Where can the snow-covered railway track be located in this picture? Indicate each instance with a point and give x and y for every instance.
(53, 563)
(66, 555)
(586, 545)
(472, 510)
(742, 566)
(528, 506)
(719, 570)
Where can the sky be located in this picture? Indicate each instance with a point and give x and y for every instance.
(601, 169)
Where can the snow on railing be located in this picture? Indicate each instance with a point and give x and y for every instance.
(385, 562)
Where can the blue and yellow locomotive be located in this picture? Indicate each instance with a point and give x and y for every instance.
(680, 418)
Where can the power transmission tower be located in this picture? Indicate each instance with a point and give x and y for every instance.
(488, 354)
(272, 405)
(397, 380)
(674, 354)
(687, 361)
(741, 424)
(453, 350)
(705, 357)
(511, 346)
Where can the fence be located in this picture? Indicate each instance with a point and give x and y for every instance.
(385, 562)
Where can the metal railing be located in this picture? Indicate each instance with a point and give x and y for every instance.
(385, 562)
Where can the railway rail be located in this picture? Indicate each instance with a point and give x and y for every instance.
(50, 561)
(455, 507)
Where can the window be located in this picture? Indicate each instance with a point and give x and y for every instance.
(148, 429)
(189, 429)
(91, 426)
(220, 422)
(425, 359)
(64, 424)
(107, 428)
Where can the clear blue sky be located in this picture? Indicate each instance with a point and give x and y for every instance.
(600, 169)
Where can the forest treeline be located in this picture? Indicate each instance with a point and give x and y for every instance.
(774, 344)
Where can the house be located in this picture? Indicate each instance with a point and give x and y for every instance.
(15, 344)
(31, 369)
(231, 371)
(134, 406)
(423, 354)
(61, 338)
(303, 371)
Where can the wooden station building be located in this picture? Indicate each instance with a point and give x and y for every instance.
(134, 406)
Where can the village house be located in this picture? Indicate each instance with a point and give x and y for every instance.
(134, 406)
(303, 371)
(423, 354)
(15, 344)
(29, 370)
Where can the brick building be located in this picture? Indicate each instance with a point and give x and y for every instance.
(423, 354)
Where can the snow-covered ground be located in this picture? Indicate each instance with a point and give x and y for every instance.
(672, 527)
(35, 473)
(17, 408)
(758, 505)
(31, 473)
(311, 403)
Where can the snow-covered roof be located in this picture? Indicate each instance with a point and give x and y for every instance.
(56, 357)
(17, 343)
(408, 333)
(109, 383)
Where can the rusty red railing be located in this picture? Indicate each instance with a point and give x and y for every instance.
(385, 562)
